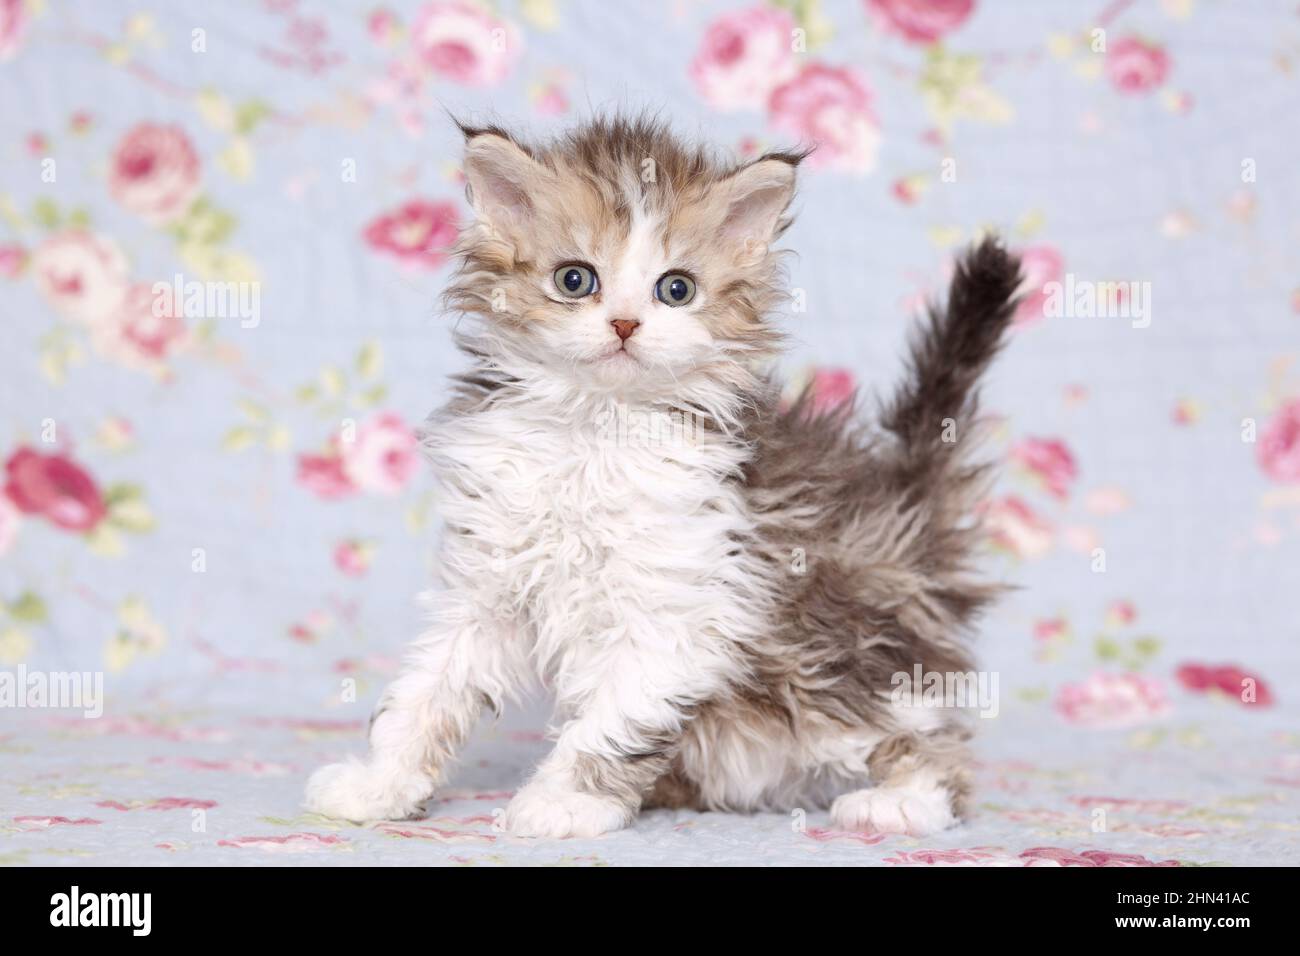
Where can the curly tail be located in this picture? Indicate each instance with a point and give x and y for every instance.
(931, 410)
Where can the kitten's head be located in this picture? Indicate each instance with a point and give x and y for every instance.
(619, 259)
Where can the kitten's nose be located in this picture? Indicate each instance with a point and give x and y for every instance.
(625, 327)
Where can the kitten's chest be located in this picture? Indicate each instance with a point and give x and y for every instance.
(582, 502)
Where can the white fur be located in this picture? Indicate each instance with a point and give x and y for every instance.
(918, 806)
(542, 809)
(599, 559)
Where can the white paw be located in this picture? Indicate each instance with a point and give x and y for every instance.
(916, 811)
(359, 791)
(556, 812)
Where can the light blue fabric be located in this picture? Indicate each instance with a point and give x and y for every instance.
(1143, 187)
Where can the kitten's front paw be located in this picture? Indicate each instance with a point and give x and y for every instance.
(916, 811)
(360, 791)
(555, 812)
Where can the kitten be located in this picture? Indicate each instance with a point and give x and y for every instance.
(720, 590)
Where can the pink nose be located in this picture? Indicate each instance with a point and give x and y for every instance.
(625, 327)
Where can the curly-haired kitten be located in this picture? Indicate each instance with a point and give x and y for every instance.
(720, 590)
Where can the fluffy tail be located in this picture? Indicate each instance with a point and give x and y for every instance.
(931, 411)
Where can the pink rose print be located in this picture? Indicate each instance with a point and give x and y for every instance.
(830, 107)
(53, 487)
(161, 803)
(551, 101)
(1112, 700)
(1186, 412)
(13, 20)
(1061, 857)
(12, 259)
(907, 189)
(1015, 527)
(1039, 265)
(384, 456)
(1135, 66)
(323, 475)
(920, 21)
(1278, 452)
(83, 276)
(44, 823)
(311, 629)
(305, 46)
(1121, 613)
(353, 558)
(402, 87)
(137, 335)
(155, 173)
(465, 44)
(143, 727)
(441, 834)
(419, 234)
(292, 843)
(380, 460)
(743, 57)
(1091, 801)
(383, 25)
(831, 388)
(977, 856)
(1035, 856)
(828, 835)
(1049, 461)
(10, 519)
(1052, 629)
(1229, 679)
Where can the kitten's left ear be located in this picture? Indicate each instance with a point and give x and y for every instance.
(756, 197)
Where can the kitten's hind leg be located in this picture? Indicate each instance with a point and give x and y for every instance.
(922, 783)
(423, 718)
(673, 790)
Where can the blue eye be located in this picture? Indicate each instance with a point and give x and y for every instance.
(675, 289)
(576, 281)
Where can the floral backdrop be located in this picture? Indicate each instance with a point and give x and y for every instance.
(218, 503)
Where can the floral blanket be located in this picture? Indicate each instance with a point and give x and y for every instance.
(223, 233)
(210, 787)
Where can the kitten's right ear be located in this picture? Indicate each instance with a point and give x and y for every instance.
(504, 180)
